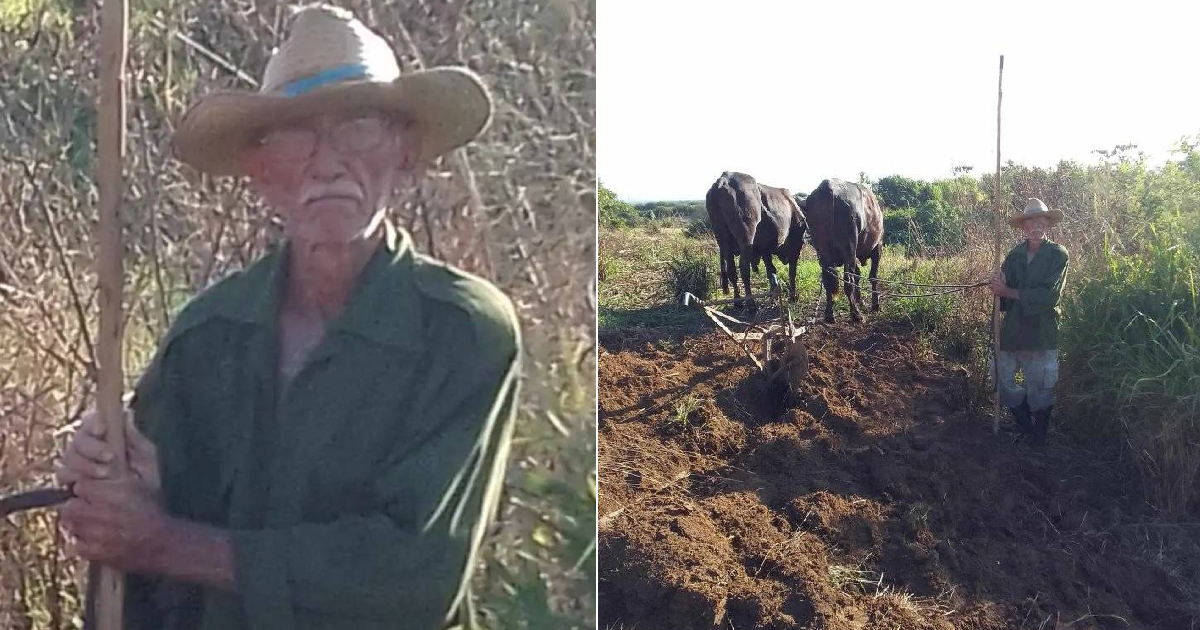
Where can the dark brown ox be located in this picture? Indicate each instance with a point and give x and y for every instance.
(846, 228)
(754, 221)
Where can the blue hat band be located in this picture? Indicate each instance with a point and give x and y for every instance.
(337, 74)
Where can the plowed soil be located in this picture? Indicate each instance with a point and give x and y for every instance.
(881, 501)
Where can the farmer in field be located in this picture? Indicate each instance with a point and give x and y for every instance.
(1029, 285)
(320, 439)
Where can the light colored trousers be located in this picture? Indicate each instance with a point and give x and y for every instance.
(1040, 368)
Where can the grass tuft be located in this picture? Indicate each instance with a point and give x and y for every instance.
(689, 272)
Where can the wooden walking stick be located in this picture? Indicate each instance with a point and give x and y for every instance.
(996, 259)
(110, 381)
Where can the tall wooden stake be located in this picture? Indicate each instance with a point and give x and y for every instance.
(111, 146)
(996, 258)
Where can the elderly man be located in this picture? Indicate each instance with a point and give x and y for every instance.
(320, 439)
(1029, 285)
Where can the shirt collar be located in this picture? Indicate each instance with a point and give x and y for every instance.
(384, 306)
(1025, 248)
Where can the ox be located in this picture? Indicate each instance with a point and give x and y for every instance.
(846, 228)
(754, 221)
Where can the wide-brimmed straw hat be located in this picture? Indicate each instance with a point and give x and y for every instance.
(1033, 209)
(331, 62)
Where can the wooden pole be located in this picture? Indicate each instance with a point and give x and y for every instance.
(110, 379)
(996, 258)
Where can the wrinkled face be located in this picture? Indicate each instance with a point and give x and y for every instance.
(331, 177)
(1035, 228)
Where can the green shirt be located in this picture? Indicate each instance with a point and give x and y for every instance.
(1031, 322)
(358, 497)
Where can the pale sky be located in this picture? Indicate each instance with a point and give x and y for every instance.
(793, 92)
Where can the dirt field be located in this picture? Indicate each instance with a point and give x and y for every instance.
(881, 502)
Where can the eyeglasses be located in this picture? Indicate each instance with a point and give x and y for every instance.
(355, 135)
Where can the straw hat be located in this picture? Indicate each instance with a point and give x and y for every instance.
(1035, 208)
(332, 62)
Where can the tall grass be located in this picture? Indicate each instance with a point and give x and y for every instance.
(1131, 346)
(690, 271)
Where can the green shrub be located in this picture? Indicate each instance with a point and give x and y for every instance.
(897, 191)
(605, 266)
(698, 228)
(941, 223)
(897, 226)
(1131, 363)
(613, 212)
(688, 271)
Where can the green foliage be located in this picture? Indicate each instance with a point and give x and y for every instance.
(634, 291)
(1174, 189)
(654, 215)
(605, 266)
(934, 223)
(934, 313)
(941, 223)
(18, 15)
(923, 213)
(613, 211)
(527, 607)
(684, 418)
(690, 271)
(899, 226)
(555, 489)
(896, 191)
(963, 192)
(699, 228)
(567, 533)
(576, 530)
(678, 210)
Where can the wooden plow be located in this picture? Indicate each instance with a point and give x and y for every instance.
(776, 347)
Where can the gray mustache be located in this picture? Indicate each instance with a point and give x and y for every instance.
(332, 191)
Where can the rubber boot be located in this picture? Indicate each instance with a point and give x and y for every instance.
(1041, 426)
(1021, 416)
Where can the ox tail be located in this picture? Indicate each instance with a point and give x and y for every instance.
(747, 201)
(847, 225)
(713, 203)
(823, 203)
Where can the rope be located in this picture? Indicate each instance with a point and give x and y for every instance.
(950, 288)
(911, 284)
(955, 289)
(817, 302)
